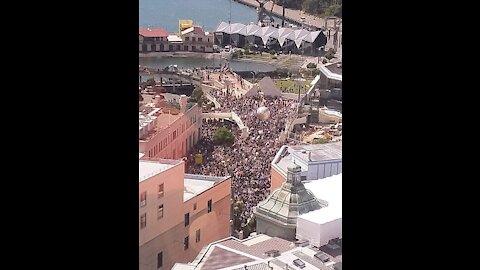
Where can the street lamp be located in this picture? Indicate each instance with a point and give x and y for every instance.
(253, 80)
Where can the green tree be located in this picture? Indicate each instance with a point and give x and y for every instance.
(334, 10)
(223, 136)
(197, 96)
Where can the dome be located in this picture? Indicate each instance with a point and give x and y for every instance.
(263, 113)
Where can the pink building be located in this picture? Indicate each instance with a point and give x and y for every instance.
(196, 40)
(166, 131)
(179, 213)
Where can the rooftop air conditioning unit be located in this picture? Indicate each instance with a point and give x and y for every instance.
(273, 253)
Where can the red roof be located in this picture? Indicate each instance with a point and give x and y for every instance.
(153, 32)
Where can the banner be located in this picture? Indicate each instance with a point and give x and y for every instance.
(198, 159)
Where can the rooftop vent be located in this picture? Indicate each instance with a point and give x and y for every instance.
(298, 263)
(273, 253)
(322, 256)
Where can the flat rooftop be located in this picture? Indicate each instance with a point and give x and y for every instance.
(318, 153)
(232, 254)
(148, 169)
(196, 184)
(328, 189)
(334, 68)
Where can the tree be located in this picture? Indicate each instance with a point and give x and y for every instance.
(223, 136)
(197, 96)
(334, 10)
(247, 48)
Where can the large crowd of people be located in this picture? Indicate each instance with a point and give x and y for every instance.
(247, 160)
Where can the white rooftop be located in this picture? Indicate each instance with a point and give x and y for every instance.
(140, 155)
(328, 189)
(174, 38)
(196, 184)
(332, 112)
(147, 169)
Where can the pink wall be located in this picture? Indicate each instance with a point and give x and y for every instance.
(166, 235)
(277, 179)
(173, 196)
(164, 145)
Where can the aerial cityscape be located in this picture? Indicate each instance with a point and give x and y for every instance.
(240, 134)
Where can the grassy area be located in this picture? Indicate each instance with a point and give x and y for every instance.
(289, 86)
(264, 56)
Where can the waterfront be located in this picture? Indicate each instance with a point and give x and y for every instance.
(206, 13)
(192, 62)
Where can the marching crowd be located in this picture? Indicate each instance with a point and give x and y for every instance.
(247, 160)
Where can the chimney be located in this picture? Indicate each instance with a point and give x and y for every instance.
(183, 103)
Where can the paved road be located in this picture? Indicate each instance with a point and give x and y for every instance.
(291, 14)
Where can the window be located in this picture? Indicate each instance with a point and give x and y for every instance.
(160, 190)
(187, 38)
(159, 260)
(143, 198)
(209, 206)
(185, 243)
(160, 211)
(143, 221)
(200, 39)
(197, 236)
(195, 206)
(193, 39)
(187, 219)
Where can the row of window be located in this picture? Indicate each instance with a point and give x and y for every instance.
(143, 195)
(185, 247)
(143, 217)
(187, 215)
(163, 143)
(186, 239)
(199, 39)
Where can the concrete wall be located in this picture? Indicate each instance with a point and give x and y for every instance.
(274, 230)
(328, 118)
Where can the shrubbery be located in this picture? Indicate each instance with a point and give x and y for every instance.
(223, 136)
